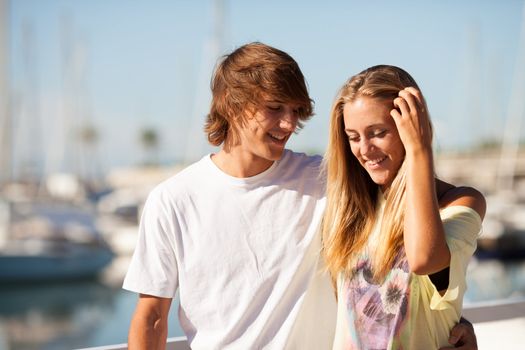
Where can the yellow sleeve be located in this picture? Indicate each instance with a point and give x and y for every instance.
(462, 227)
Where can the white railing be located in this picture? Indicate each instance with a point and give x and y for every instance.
(496, 310)
(176, 343)
(490, 311)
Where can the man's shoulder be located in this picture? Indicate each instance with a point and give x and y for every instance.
(301, 164)
(187, 177)
(301, 169)
(302, 158)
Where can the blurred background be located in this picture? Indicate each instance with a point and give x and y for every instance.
(102, 99)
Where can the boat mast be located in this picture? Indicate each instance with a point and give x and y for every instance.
(516, 114)
(73, 150)
(27, 125)
(213, 48)
(5, 117)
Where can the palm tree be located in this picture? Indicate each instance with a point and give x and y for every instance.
(88, 162)
(88, 135)
(149, 140)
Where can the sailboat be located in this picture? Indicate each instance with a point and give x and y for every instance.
(504, 224)
(44, 240)
(42, 236)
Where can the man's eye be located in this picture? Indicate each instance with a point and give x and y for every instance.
(274, 108)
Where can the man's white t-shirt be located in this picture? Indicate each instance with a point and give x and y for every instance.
(244, 255)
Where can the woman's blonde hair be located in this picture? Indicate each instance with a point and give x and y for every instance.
(351, 193)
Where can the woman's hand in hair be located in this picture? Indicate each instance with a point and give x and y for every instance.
(423, 233)
(411, 117)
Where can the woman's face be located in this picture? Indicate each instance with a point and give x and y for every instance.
(373, 138)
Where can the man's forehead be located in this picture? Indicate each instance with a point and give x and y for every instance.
(278, 100)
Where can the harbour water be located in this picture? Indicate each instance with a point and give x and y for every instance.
(88, 313)
(70, 315)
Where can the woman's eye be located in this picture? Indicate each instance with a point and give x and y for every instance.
(379, 133)
(274, 108)
(353, 138)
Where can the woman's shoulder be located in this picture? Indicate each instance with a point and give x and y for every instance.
(450, 195)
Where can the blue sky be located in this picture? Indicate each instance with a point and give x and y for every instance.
(137, 63)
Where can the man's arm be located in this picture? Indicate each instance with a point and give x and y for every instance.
(149, 325)
(462, 336)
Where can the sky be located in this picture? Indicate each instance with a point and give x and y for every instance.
(125, 65)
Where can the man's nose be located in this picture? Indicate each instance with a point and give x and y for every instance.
(289, 120)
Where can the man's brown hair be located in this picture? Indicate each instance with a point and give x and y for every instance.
(247, 77)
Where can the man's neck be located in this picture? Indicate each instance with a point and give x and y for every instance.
(240, 164)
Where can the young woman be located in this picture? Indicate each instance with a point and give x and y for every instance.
(397, 239)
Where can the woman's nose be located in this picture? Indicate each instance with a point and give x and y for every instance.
(366, 146)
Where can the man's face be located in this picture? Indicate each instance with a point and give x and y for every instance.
(264, 133)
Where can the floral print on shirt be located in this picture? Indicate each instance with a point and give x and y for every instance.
(377, 312)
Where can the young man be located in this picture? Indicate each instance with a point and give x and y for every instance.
(236, 233)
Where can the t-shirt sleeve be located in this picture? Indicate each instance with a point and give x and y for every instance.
(153, 269)
(462, 227)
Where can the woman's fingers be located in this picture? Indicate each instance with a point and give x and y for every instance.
(411, 118)
(395, 114)
(402, 105)
(418, 95)
(412, 101)
(415, 100)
